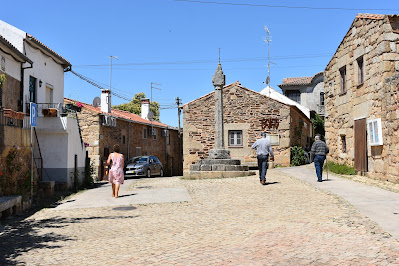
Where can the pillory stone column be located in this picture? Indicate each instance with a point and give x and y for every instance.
(218, 81)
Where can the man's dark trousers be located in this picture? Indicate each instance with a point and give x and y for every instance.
(262, 166)
(318, 164)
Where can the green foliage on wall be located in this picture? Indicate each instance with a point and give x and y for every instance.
(297, 156)
(134, 106)
(15, 173)
(3, 79)
(318, 124)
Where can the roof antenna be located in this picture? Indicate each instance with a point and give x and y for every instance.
(219, 55)
(268, 40)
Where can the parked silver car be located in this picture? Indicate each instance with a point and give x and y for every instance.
(143, 166)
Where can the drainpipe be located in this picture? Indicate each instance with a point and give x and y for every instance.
(128, 141)
(22, 84)
(166, 146)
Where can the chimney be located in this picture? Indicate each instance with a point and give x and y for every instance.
(106, 101)
(145, 108)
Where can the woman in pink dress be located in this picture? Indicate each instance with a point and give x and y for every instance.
(116, 176)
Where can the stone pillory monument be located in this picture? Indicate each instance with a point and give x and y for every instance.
(219, 163)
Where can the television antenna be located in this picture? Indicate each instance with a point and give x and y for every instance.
(268, 40)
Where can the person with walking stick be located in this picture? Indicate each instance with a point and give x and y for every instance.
(319, 151)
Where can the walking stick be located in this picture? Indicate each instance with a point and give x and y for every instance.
(327, 167)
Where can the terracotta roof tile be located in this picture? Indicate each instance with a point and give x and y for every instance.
(370, 16)
(120, 114)
(296, 81)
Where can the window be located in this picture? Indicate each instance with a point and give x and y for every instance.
(374, 131)
(32, 89)
(168, 139)
(235, 138)
(360, 71)
(343, 143)
(274, 139)
(154, 133)
(123, 139)
(342, 72)
(145, 133)
(49, 94)
(322, 98)
(294, 95)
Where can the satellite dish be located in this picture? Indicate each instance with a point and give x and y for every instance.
(150, 115)
(268, 80)
(97, 102)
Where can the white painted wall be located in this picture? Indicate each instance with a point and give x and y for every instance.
(59, 142)
(44, 67)
(12, 34)
(12, 67)
(46, 70)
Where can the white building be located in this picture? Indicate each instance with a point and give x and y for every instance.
(61, 146)
(307, 91)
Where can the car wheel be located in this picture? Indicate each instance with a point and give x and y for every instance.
(161, 173)
(148, 173)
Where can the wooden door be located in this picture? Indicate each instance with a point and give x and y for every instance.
(361, 145)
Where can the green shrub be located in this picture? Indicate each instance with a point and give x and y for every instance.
(297, 156)
(341, 169)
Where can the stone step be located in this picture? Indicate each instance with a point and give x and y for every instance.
(218, 167)
(220, 161)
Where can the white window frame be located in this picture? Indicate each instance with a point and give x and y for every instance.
(374, 132)
(274, 139)
(233, 142)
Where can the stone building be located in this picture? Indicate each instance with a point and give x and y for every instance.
(361, 89)
(247, 113)
(102, 127)
(307, 91)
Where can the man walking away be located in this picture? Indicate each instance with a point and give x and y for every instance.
(319, 150)
(263, 151)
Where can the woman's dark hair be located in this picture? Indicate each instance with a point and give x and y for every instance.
(117, 148)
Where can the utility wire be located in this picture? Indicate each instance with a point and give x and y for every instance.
(213, 61)
(99, 86)
(291, 7)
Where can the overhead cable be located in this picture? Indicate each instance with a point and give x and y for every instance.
(284, 6)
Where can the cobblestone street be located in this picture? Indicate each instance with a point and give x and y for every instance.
(233, 221)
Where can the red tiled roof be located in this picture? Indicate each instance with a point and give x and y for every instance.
(120, 114)
(62, 60)
(296, 81)
(299, 81)
(370, 16)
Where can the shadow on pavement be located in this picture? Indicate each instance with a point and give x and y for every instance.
(272, 183)
(18, 235)
(122, 196)
(125, 208)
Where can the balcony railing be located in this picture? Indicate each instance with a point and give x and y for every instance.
(11, 118)
(47, 109)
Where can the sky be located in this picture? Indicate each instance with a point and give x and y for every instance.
(175, 43)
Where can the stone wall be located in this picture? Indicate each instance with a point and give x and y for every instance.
(11, 93)
(374, 41)
(244, 110)
(129, 136)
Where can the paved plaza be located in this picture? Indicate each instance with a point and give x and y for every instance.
(173, 221)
